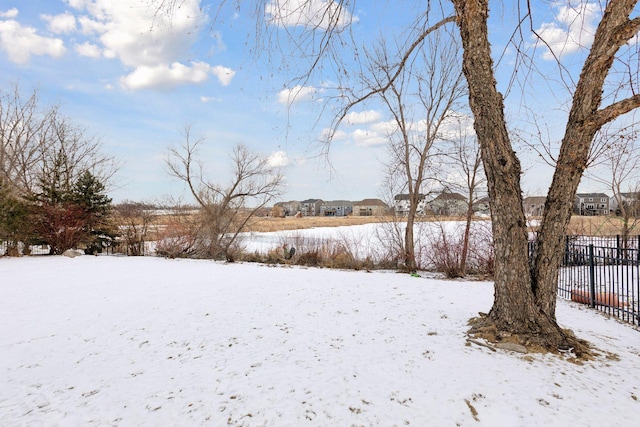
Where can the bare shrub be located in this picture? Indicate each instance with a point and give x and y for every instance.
(481, 253)
(135, 221)
(446, 250)
(178, 238)
(347, 251)
(274, 256)
(312, 258)
(175, 247)
(443, 246)
(13, 251)
(341, 258)
(390, 235)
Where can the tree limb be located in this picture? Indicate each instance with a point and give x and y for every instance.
(613, 111)
(416, 43)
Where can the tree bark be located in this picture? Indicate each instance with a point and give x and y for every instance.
(409, 244)
(585, 119)
(514, 307)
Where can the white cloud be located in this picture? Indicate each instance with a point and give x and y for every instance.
(20, 42)
(206, 99)
(367, 138)
(321, 14)
(78, 4)
(573, 29)
(88, 49)
(217, 44)
(163, 76)
(91, 26)
(11, 13)
(224, 74)
(61, 24)
(456, 125)
(339, 134)
(363, 117)
(374, 135)
(138, 34)
(296, 94)
(385, 128)
(108, 53)
(376, 132)
(152, 42)
(278, 159)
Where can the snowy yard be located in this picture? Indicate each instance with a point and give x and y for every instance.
(148, 341)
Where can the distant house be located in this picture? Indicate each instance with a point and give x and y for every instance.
(310, 207)
(481, 207)
(534, 205)
(401, 204)
(450, 204)
(590, 204)
(336, 208)
(370, 207)
(630, 200)
(289, 208)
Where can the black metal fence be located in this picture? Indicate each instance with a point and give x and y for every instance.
(603, 272)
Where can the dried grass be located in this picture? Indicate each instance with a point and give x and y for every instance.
(595, 225)
(269, 224)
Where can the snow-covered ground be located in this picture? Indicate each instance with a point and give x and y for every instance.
(156, 342)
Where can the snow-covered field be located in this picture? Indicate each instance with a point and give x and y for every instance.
(156, 342)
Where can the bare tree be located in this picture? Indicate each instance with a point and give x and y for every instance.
(465, 160)
(80, 152)
(618, 168)
(225, 210)
(35, 139)
(420, 100)
(25, 127)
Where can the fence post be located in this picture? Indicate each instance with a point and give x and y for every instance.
(592, 278)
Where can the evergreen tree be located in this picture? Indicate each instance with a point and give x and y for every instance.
(89, 195)
(14, 220)
(69, 213)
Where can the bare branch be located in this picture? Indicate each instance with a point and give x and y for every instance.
(393, 76)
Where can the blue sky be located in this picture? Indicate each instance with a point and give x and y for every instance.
(136, 80)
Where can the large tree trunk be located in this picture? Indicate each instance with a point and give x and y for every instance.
(585, 119)
(514, 307)
(525, 299)
(557, 214)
